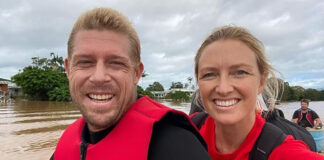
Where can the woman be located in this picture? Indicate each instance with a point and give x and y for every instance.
(231, 70)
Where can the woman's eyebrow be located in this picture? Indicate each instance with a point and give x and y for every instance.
(242, 65)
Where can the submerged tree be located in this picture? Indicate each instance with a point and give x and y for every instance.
(156, 86)
(178, 95)
(141, 91)
(176, 85)
(45, 79)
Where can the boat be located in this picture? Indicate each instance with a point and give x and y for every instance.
(318, 135)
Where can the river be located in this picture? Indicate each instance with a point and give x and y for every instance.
(30, 129)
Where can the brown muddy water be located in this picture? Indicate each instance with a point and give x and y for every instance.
(31, 129)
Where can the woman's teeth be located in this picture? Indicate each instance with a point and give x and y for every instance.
(225, 103)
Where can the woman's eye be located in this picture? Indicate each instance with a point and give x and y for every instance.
(208, 75)
(240, 73)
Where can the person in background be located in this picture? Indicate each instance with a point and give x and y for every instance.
(231, 69)
(271, 103)
(306, 117)
(103, 67)
(196, 104)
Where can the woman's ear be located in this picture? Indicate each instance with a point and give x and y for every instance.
(263, 80)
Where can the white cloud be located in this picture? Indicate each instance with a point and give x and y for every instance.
(171, 32)
(277, 21)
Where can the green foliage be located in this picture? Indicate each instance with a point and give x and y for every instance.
(312, 94)
(140, 90)
(178, 95)
(156, 86)
(296, 93)
(40, 80)
(56, 63)
(176, 85)
(144, 74)
(285, 94)
(189, 79)
(59, 94)
(321, 93)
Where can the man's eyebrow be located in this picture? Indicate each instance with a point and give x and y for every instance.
(81, 56)
(118, 57)
(89, 55)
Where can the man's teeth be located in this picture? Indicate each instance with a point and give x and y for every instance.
(101, 96)
(226, 103)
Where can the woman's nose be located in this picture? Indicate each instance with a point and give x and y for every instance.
(224, 86)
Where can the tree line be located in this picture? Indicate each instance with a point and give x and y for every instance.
(45, 79)
(296, 93)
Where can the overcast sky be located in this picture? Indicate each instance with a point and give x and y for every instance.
(171, 32)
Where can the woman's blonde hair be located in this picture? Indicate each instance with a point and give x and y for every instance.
(243, 35)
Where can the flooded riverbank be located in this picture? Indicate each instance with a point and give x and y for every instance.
(30, 129)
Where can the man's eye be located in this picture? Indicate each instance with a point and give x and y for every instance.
(86, 61)
(117, 63)
(83, 63)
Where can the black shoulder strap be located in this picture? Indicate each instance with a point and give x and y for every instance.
(199, 119)
(270, 137)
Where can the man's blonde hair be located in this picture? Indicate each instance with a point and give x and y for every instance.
(106, 19)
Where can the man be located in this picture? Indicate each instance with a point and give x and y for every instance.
(103, 68)
(306, 117)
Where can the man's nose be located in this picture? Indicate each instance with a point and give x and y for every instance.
(100, 74)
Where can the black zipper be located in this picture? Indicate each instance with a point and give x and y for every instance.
(83, 150)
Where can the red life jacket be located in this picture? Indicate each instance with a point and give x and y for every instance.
(308, 116)
(129, 139)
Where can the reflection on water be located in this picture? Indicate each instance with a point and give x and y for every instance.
(178, 105)
(31, 129)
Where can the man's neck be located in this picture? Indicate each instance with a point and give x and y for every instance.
(94, 137)
(304, 110)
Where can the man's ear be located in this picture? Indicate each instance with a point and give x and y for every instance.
(66, 66)
(138, 71)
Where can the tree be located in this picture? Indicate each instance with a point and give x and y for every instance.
(298, 93)
(321, 95)
(56, 63)
(144, 74)
(178, 95)
(140, 90)
(176, 85)
(190, 80)
(156, 86)
(285, 94)
(44, 79)
(312, 94)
